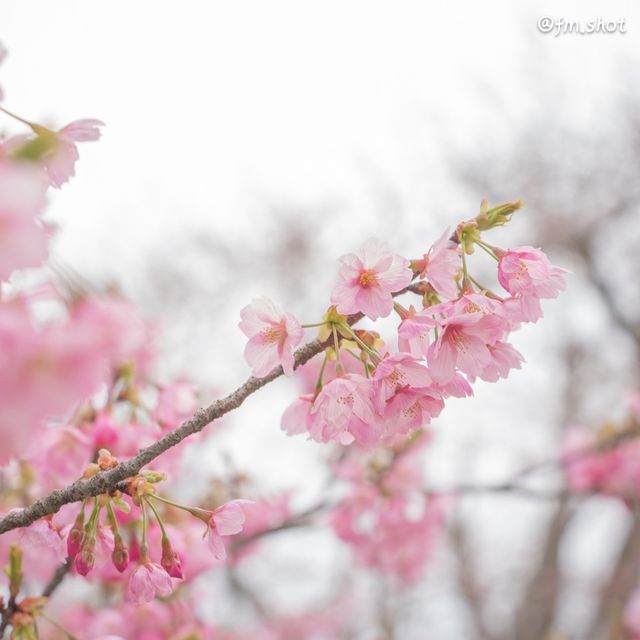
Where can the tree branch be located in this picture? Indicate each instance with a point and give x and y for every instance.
(108, 480)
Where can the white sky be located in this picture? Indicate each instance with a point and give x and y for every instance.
(211, 105)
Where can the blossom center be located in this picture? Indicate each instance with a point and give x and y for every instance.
(273, 333)
(397, 378)
(368, 279)
(522, 271)
(459, 341)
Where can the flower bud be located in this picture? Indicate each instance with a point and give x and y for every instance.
(90, 470)
(14, 570)
(120, 555)
(106, 460)
(76, 535)
(153, 476)
(170, 561)
(120, 504)
(86, 558)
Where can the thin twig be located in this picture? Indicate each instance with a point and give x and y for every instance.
(109, 480)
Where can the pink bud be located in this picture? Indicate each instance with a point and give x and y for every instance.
(86, 559)
(170, 561)
(76, 534)
(74, 542)
(120, 555)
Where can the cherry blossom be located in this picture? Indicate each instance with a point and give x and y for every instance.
(367, 280)
(440, 266)
(414, 332)
(463, 343)
(273, 335)
(344, 411)
(527, 271)
(146, 581)
(23, 238)
(398, 372)
(59, 162)
(226, 520)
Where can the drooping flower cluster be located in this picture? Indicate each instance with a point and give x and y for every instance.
(386, 518)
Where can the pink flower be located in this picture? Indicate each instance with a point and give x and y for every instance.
(297, 417)
(384, 536)
(440, 266)
(23, 239)
(503, 358)
(114, 326)
(42, 536)
(59, 454)
(409, 410)
(367, 280)
(273, 335)
(43, 372)
(398, 372)
(527, 271)
(343, 411)
(462, 343)
(60, 162)
(458, 387)
(146, 581)
(522, 309)
(414, 332)
(170, 561)
(226, 520)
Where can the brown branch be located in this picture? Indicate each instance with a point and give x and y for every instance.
(57, 578)
(534, 615)
(467, 578)
(109, 480)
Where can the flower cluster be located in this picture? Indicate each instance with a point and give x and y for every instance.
(605, 461)
(386, 518)
(459, 333)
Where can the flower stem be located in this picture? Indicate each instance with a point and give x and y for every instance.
(144, 547)
(16, 117)
(158, 518)
(375, 356)
(112, 520)
(487, 249)
(319, 382)
(336, 346)
(194, 511)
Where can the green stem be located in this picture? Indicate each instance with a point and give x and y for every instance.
(360, 360)
(314, 324)
(465, 272)
(158, 518)
(144, 547)
(487, 249)
(336, 346)
(319, 382)
(372, 352)
(113, 521)
(16, 117)
(194, 511)
(90, 527)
